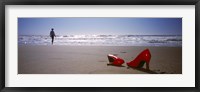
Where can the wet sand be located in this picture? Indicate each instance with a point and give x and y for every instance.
(55, 59)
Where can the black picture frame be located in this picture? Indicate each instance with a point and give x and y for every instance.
(98, 2)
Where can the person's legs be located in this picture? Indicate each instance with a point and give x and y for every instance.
(52, 37)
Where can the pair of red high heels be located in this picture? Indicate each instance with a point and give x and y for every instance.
(138, 62)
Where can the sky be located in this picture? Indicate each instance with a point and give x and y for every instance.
(100, 26)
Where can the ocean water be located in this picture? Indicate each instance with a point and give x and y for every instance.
(103, 40)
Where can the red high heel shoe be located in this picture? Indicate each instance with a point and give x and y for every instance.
(143, 57)
(114, 60)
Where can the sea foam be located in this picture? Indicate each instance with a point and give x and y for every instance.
(103, 40)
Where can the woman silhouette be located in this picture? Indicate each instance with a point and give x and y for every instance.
(52, 35)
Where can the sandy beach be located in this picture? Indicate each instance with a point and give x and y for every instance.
(61, 59)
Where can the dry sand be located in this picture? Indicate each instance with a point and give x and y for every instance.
(52, 59)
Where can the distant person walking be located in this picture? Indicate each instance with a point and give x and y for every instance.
(52, 35)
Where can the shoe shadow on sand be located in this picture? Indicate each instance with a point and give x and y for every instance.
(144, 70)
(139, 69)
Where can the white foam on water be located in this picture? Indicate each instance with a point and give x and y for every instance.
(103, 40)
